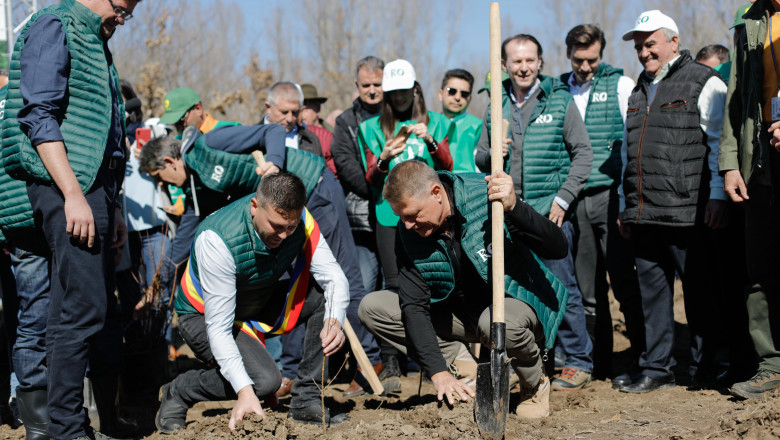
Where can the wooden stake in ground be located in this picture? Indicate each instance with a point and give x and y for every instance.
(491, 405)
(360, 355)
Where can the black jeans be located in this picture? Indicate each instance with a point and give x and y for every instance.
(83, 326)
(208, 384)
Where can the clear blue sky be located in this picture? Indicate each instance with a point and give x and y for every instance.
(475, 17)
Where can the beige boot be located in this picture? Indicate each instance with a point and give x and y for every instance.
(535, 402)
(464, 367)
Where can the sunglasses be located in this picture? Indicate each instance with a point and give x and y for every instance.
(453, 91)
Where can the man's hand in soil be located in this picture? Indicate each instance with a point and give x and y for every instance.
(446, 385)
(332, 336)
(247, 403)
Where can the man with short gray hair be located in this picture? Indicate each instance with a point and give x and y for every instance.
(284, 103)
(672, 191)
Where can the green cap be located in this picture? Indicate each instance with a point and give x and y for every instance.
(486, 87)
(176, 103)
(738, 21)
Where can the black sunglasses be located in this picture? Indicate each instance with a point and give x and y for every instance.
(452, 91)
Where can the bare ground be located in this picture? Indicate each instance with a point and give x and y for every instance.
(597, 412)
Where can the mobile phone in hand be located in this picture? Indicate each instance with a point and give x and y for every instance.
(142, 136)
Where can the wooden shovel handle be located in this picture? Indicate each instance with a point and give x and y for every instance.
(259, 158)
(496, 162)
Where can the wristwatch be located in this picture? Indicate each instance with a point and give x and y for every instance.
(432, 145)
(381, 165)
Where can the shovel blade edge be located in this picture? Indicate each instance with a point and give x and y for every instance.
(491, 405)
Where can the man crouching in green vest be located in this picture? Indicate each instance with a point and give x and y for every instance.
(443, 246)
(248, 278)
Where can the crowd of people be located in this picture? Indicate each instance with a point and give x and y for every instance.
(265, 242)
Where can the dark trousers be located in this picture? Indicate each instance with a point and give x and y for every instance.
(600, 250)
(209, 384)
(659, 252)
(83, 325)
(762, 241)
(329, 209)
(729, 275)
(385, 248)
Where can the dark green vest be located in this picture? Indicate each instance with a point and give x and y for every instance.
(234, 174)
(258, 268)
(605, 126)
(526, 277)
(87, 121)
(545, 158)
(16, 214)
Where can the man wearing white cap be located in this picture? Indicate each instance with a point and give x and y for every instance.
(672, 190)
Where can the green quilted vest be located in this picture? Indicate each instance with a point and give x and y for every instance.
(16, 214)
(231, 173)
(85, 127)
(258, 268)
(526, 277)
(545, 159)
(464, 141)
(605, 126)
(370, 136)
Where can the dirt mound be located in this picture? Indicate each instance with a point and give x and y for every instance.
(754, 420)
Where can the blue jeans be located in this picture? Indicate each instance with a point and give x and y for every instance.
(33, 287)
(572, 334)
(369, 267)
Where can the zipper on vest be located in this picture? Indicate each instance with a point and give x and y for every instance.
(639, 162)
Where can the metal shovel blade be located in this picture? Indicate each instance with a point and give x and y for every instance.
(491, 405)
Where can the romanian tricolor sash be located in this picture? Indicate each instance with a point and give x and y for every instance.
(296, 295)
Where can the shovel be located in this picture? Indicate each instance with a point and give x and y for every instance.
(491, 405)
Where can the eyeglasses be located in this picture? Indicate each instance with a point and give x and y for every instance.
(453, 91)
(187, 113)
(121, 12)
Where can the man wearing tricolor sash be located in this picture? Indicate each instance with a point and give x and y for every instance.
(258, 268)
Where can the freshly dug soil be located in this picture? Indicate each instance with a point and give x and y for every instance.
(597, 412)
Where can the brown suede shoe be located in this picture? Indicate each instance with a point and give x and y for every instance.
(356, 387)
(284, 390)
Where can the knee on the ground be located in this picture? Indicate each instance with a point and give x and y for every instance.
(270, 382)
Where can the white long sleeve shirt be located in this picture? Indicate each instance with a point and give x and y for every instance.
(217, 276)
(711, 104)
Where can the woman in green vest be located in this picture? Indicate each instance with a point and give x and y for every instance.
(404, 131)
